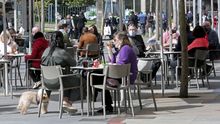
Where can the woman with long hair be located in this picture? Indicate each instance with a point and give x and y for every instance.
(65, 60)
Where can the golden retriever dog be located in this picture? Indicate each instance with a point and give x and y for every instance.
(31, 97)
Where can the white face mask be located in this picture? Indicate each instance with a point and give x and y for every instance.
(132, 33)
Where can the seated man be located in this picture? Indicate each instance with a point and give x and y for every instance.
(38, 47)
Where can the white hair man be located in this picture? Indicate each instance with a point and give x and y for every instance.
(35, 29)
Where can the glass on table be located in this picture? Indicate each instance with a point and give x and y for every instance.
(85, 63)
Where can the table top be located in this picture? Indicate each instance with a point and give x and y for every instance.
(16, 55)
(166, 52)
(4, 61)
(148, 59)
(87, 68)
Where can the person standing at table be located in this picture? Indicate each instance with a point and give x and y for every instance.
(38, 47)
(61, 57)
(81, 23)
(124, 54)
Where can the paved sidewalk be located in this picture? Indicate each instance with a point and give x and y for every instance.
(202, 107)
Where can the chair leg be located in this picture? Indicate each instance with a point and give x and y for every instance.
(19, 74)
(40, 104)
(153, 96)
(104, 111)
(114, 92)
(177, 77)
(207, 78)
(59, 99)
(81, 93)
(93, 93)
(213, 65)
(197, 78)
(139, 96)
(61, 104)
(200, 72)
(122, 96)
(125, 100)
(118, 94)
(131, 101)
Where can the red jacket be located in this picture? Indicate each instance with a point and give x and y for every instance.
(38, 47)
(198, 43)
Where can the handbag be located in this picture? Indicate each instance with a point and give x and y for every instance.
(144, 65)
(107, 30)
(112, 83)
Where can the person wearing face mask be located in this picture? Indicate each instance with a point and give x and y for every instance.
(213, 39)
(137, 41)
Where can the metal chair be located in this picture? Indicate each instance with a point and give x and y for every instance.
(15, 64)
(90, 49)
(145, 72)
(54, 74)
(117, 72)
(198, 66)
(29, 67)
(71, 51)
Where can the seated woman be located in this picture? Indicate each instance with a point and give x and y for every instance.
(38, 47)
(85, 39)
(61, 57)
(124, 54)
(136, 40)
(200, 42)
(11, 45)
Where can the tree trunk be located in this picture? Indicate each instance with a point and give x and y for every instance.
(218, 17)
(194, 13)
(212, 16)
(200, 11)
(42, 16)
(150, 5)
(174, 12)
(157, 19)
(184, 54)
(38, 13)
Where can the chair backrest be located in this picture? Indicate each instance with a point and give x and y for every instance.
(118, 71)
(201, 54)
(51, 74)
(200, 57)
(71, 51)
(92, 48)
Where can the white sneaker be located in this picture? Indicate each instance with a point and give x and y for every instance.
(37, 85)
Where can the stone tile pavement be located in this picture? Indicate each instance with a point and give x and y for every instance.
(202, 107)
